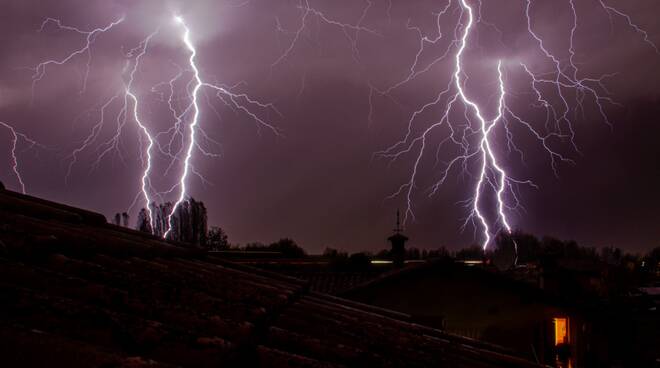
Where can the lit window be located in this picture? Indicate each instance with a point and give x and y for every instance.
(561, 330)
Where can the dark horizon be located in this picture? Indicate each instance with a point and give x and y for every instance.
(319, 183)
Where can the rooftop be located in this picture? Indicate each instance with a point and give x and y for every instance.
(79, 292)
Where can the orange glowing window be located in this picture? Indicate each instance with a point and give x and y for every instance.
(561, 330)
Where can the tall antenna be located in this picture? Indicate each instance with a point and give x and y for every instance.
(398, 222)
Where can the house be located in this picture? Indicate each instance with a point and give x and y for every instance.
(483, 304)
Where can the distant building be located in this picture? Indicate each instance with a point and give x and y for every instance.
(485, 305)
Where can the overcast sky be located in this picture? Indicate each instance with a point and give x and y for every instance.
(319, 181)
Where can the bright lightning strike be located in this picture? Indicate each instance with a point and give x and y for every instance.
(136, 117)
(233, 98)
(177, 144)
(485, 146)
(193, 125)
(559, 89)
(474, 134)
(198, 84)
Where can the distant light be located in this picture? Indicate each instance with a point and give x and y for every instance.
(377, 261)
(470, 262)
(178, 19)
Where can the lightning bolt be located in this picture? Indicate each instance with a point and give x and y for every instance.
(15, 137)
(488, 160)
(350, 31)
(86, 49)
(185, 133)
(39, 72)
(486, 127)
(474, 135)
(145, 184)
(559, 88)
(198, 84)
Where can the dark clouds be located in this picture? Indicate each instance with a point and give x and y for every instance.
(319, 183)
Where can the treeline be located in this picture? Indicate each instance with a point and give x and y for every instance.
(578, 271)
(189, 224)
(519, 248)
(286, 247)
(548, 250)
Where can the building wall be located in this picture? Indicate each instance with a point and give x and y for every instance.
(477, 304)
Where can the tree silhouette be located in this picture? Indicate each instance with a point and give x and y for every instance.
(217, 239)
(143, 223)
(473, 252)
(188, 224)
(121, 219)
(287, 247)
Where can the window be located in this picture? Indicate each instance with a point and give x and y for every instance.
(561, 330)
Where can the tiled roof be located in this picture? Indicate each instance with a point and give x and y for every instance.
(78, 292)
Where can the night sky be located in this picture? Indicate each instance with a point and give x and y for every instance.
(319, 181)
